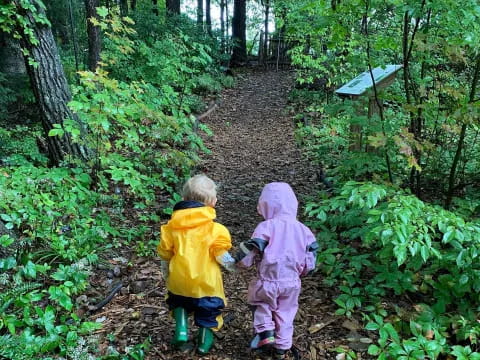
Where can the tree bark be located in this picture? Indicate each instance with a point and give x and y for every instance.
(222, 25)
(50, 87)
(124, 7)
(239, 56)
(208, 18)
(200, 12)
(11, 59)
(173, 6)
(93, 32)
(265, 44)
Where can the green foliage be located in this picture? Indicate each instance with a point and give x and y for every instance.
(414, 141)
(18, 146)
(136, 108)
(379, 241)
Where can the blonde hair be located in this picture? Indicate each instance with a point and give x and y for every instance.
(200, 188)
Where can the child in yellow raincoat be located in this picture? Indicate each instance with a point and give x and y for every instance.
(194, 246)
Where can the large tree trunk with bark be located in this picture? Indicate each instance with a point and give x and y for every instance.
(239, 56)
(93, 32)
(208, 17)
(50, 87)
(200, 12)
(173, 6)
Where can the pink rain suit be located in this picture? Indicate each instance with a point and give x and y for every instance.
(274, 292)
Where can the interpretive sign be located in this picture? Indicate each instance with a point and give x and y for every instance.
(357, 87)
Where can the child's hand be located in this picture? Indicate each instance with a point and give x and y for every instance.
(247, 246)
(165, 269)
(227, 261)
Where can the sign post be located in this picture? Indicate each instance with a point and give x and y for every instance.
(362, 86)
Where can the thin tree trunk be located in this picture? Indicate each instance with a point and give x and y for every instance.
(222, 24)
(74, 35)
(155, 7)
(50, 87)
(124, 7)
(173, 6)
(265, 44)
(407, 52)
(239, 55)
(461, 140)
(133, 5)
(93, 32)
(208, 18)
(200, 12)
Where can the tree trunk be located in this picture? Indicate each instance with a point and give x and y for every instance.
(50, 87)
(461, 140)
(93, 32)
(265, 44)
(124, 7)
(155, 7)
(222, 24)
(199, 12)
(239, 56)
(208, 18)
(227, 20)
(173, 6)
(133, 5)
(11, 59)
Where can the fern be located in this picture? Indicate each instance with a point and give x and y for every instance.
(8, 296)
(10, 348)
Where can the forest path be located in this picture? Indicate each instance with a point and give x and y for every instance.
(253, 144)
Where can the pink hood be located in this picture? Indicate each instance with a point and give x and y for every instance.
(277, 199)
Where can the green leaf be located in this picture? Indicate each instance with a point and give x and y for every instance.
(56, 132)
(102, 11)
(374, 350)
(6, 241)
(8, 263)
(448, 236)
(30, 270)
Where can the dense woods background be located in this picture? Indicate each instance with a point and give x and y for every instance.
(98, 106)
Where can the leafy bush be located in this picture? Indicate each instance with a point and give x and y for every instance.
(379, 241)
(139, 128)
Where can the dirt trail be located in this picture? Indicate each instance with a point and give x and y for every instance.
(253, 145)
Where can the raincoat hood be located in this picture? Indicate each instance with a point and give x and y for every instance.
(277, 199)
(190, 214)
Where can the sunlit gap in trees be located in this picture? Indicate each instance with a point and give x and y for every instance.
(255, 17)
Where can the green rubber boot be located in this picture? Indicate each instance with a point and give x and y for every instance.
(181, 326)
(205, 340)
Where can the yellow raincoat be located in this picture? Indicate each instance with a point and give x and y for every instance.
(191, 241)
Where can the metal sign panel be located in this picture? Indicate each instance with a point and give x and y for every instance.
(363, 82)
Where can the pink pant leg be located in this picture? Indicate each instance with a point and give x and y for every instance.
(262, 318)
(263, 296)
(287, 306)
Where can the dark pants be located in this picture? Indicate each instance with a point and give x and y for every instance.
(205, 310)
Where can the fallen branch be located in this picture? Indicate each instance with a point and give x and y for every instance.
(109, 298)
(203, 116)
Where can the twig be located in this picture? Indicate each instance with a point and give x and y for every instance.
(109, 298)
(203, 116)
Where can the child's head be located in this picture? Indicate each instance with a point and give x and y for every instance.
(200, 188)
(277, 199)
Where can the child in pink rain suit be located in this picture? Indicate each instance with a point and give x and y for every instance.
(284, 250)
